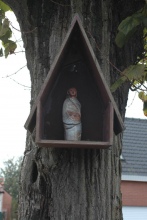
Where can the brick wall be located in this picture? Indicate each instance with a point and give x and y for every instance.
(134, 193)
(7, 199)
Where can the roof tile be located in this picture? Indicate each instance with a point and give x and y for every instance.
(134, 150)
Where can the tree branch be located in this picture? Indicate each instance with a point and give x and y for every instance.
(15, 72)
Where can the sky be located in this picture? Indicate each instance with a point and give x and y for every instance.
(15, 101)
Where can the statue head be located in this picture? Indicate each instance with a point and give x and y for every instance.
(72, 92)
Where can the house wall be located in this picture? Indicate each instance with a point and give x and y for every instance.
(1, 199)
(134, 213)
(134, 193)
(7, 199)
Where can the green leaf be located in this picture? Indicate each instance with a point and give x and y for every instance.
(9, 48)
(145, 108)
(128, 27)
(132, 73)
(130, 23)
(118, 83)
(135, 72)
(4, 7)
(2, 15)
(5, 38)
(4, 27)
(142, 96)
(121, 38)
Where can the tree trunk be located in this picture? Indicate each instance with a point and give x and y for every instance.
(72, 184)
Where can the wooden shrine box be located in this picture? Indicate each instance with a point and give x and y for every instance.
(75, 66)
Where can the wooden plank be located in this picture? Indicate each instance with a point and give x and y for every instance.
(39, 122)
(74, 144)
(108, 123)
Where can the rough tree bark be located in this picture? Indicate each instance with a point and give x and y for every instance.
(72, 184)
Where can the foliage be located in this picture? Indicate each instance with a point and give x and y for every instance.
(2, 215)
(10, 172)
(129, 25)
(5, 32)
(135, 74)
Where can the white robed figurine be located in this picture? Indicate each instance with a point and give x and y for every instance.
(72, 116)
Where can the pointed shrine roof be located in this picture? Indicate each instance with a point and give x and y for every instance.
(76, 25)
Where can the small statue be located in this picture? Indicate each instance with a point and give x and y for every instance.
(72, 116)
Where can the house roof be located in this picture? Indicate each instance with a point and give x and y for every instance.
(134, 150)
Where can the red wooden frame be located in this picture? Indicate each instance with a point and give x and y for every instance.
(111, 120)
